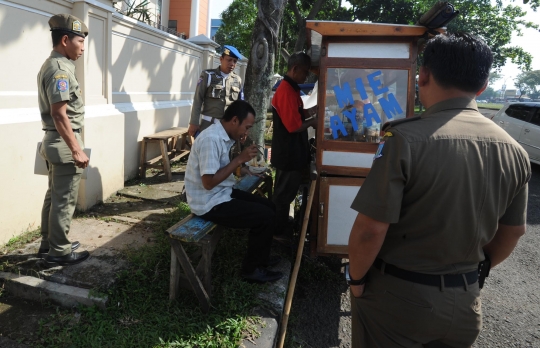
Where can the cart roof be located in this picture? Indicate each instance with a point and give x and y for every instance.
(317, 29)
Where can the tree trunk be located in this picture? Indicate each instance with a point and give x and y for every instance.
(260, 69)
(301, 40)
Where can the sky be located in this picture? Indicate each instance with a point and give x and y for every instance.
(530, 41)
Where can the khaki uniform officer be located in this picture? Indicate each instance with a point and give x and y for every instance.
(216, 90)
(445, 189)
(62, 115)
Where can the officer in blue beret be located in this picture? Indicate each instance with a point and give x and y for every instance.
(216, 90)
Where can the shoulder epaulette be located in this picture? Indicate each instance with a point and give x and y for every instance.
(400, 121)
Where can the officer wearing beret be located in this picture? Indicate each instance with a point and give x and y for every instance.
(447, 191)
(216, 90)
(62, 115)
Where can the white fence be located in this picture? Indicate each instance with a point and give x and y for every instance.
(135, 79)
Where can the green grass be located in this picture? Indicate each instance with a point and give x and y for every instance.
(139, 313)
(493, 106)
(21, 240)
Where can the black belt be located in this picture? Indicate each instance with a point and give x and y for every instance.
(447, 280)
(54, 130)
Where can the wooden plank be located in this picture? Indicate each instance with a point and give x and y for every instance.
(192, 230)
(142, 169)
(169, 133)
(172, 157)
(165, 160)
(175, 276)
(206, 262)
(334, 28)
(195, 282)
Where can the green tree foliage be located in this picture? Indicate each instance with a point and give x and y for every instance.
(494, 22)
(237, 26)
(239, 19)
(487, 94)
(528, 82)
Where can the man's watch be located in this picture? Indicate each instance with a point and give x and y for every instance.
(351, 281)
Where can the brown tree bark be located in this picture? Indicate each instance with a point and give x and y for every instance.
(260, 69)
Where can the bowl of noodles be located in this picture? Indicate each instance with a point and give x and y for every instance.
(256, 167)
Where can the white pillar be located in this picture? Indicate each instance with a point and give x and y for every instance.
(209, 23)
(194, 21)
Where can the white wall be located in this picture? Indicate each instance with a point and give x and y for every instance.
(136, 80)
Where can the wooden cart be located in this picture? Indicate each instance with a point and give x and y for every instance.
(367, 75)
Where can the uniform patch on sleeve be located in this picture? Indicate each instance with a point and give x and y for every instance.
(200, 80)
(62, 85)
(60, 76)
(379, 153)
(388, 134)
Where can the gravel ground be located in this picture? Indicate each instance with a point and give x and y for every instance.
(320, 314)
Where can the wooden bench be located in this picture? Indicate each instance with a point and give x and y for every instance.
(173, 145)
(196, 231)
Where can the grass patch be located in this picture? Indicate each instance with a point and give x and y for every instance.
(492, 106)
(21, 240)
(139, 313)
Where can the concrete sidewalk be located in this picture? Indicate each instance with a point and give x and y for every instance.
(122, 222)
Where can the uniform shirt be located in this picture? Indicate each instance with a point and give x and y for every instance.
(209, 154)
(214, 93)
(443, 182)
(290, 150)
(56, 83)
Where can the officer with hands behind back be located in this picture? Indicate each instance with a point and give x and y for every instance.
(445, 188)
(216, 90)
(62, 114)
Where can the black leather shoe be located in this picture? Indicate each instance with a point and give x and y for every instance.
(262, 275)
(67, 260)
(43, 252)
(272, 261)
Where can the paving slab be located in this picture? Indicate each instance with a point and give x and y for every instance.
(32, 288)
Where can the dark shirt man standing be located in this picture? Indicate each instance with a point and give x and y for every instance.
(290, 146)
(216, 90)
(445, 188)
(62, 115)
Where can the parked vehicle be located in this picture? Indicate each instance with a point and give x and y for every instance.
(522, 121)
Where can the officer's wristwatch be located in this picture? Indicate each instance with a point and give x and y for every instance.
(351, 281)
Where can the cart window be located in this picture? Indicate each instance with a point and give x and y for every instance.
(360, 101)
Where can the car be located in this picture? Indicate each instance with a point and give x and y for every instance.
(521, 120)
(481, 101)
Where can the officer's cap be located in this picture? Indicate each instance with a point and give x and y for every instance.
(68, 23)
(232, 51)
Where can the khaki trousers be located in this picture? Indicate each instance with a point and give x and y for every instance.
(396, 313)
(61, 197)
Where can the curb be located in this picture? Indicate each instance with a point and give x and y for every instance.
(36, 289)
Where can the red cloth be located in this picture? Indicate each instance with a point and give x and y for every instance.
(288, 104)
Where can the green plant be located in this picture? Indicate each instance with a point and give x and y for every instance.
(139, 11)
(19, 241)
(139, 313)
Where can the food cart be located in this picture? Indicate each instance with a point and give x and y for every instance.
(367, 75)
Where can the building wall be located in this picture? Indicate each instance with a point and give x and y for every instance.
(203, 17)
(136, 80)
(180, 10)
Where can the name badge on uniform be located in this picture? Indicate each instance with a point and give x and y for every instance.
(379, 153)
(62, 85)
